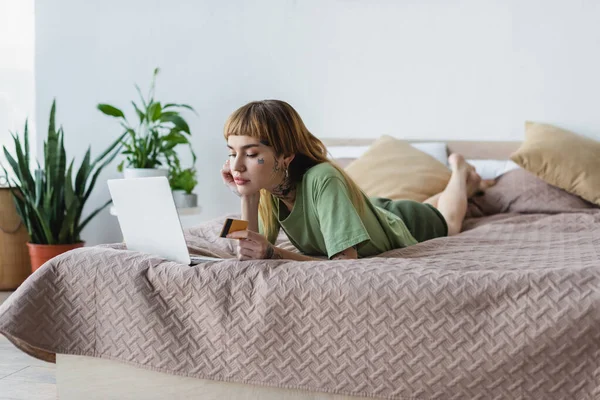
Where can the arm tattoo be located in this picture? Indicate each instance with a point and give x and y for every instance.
(271, 254)
(277, 256)
(270, 251)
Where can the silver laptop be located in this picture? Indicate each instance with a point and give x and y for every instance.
(149, 220)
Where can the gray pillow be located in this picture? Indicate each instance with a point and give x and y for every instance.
(519, 191)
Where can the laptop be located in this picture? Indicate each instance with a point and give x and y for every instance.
(149, 220)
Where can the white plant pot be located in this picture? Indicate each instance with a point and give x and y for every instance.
(144, 172)
(184, 200)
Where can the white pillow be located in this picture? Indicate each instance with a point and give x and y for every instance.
(436, 150)
(491, 169)
(487, 169)
(346, 151)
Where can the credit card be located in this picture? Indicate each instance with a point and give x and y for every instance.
(233, 225)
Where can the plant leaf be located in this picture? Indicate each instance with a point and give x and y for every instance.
(91, 216)
(82, 174)
(141, 96)
(139, 112)
(179, 122)
(169, 105)
(68, 231)
(19, 168)
(51, 127)
(97, 173)
(154, 111)
(111, 111)
(26, 136)
(109, 149)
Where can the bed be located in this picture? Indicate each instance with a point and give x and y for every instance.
(510, 308)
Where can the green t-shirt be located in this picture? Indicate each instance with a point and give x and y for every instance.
(323, 220)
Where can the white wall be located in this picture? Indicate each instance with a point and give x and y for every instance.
(16, 73)
(436, 69)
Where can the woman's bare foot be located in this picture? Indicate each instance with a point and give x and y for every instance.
(486, 183)
(457, 163)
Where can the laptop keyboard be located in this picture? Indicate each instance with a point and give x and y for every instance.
(197, 259)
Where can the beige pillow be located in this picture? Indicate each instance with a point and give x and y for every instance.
(561, 158)
(393, 169)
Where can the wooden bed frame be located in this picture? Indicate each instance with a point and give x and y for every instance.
(476, 150)
(83, 377)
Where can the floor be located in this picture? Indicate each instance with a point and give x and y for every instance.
(23, 377)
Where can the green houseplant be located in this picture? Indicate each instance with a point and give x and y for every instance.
(150, 143)
(182, 182)
(50, 200)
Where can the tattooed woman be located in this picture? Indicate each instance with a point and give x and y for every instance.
(285, 180)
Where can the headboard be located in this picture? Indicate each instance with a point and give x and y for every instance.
(477, 150)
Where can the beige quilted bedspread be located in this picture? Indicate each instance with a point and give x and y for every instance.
(509, 309)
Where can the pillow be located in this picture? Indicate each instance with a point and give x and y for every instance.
(491, 169)
(437, 150)
(561, 158)
(346, 151)
(393, 169)
(519, 191)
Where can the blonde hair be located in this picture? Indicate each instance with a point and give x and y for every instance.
(276, 123)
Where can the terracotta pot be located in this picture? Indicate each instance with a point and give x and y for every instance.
(40, 253)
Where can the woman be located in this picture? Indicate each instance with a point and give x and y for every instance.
(282, 174)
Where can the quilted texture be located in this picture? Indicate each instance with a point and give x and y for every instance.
(508, 309)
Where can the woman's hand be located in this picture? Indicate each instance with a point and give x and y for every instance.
(228, 178)
(253, 246)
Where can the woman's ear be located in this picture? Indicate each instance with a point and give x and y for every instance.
(287, 160)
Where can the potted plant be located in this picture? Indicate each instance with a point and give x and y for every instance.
(182, 182)
(49, 201)
(149, 146)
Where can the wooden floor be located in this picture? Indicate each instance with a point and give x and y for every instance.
(23, 377)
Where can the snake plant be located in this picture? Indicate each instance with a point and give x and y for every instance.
(49, 201)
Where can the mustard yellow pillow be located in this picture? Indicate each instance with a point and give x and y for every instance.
(394, 169)
(561, 158)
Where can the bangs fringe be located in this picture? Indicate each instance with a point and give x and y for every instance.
(244, 122)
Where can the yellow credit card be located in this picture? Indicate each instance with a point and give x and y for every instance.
(233, 225)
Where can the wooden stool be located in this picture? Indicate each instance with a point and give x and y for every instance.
(15, 266)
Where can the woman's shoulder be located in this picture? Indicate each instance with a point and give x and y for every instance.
(322, 175)
(322, 172)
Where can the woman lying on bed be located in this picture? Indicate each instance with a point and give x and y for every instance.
(282, 174)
